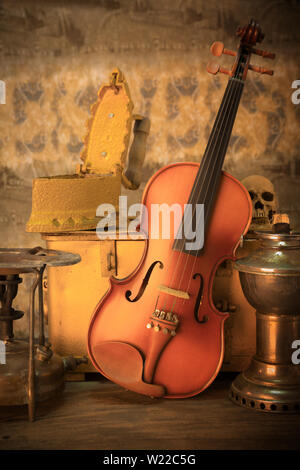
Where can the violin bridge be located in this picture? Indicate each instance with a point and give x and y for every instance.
(176, 293)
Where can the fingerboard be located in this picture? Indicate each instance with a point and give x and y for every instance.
(207, 181)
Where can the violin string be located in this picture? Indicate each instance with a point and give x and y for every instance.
(236, 91)
(217, 163)
(194, 263)
(225, 103)
(208, 185)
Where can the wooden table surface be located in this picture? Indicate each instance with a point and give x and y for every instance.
(101, 415)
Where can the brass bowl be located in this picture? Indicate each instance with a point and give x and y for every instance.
(270, 277)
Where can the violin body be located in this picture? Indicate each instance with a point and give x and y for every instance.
(157, 332)
(155, 353)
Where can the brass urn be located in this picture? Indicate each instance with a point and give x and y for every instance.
(270, 279)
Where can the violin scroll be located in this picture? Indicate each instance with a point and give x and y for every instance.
(249, 36)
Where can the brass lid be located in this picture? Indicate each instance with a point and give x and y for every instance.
(278, 254)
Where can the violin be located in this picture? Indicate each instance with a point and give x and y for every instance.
(157, 332)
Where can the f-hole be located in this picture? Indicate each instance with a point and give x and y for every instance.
(144, 283)
(198, 300)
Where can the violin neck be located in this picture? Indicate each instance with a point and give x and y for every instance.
(206, 184)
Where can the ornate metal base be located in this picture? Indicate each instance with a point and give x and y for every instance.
(268, 387)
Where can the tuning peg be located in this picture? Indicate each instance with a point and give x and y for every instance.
(265, 54)
(261, 70)
(217, 49)
(214, 68)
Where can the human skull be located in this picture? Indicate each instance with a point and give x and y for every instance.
(264, 201)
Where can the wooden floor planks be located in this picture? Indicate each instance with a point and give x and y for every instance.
(101, 415)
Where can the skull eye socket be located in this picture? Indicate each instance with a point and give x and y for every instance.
(252, 194)
(267, 196)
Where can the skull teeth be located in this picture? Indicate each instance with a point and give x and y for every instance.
(260, 220)
(260, 214)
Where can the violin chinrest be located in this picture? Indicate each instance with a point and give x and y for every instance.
(123, 363)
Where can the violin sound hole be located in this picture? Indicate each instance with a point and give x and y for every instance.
(128, 293)
(198, 300)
